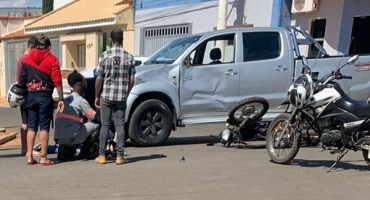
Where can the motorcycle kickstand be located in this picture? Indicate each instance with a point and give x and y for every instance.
(340, 156)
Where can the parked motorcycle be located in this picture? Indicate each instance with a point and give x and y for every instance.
(342, 124)
(245, 121)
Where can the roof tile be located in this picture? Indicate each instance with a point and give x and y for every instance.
(81, 11)
(15, 35)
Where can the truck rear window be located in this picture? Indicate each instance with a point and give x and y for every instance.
(261, 46)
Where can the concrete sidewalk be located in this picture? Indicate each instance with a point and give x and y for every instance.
(4, 102)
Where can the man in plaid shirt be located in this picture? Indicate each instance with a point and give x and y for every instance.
(115, 79)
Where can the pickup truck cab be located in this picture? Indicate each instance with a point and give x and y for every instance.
(198, 78)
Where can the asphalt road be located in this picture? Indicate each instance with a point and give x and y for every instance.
(209, 172)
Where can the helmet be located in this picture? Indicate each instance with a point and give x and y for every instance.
(16, 95)
(301, 91)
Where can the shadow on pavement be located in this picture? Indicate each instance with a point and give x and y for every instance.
(341, 166)
(11, 155)
(13, 126)
(143, 158)
(192, 140)
(208, 140)
(250, 145)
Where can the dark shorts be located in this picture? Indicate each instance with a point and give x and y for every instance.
(24, 114)
(40, 111)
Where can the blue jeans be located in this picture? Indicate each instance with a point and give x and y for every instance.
(118, 109)
(40, 111)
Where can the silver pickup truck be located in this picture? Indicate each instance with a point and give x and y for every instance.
(198, 78)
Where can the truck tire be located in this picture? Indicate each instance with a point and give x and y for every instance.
(150, 124)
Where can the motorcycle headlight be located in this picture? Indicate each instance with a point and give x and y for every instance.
(225, 134)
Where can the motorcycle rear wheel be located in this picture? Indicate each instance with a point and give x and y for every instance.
(276, 127)
(244, 104)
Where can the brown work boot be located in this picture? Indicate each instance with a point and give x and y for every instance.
(120, 160)
(100, 160)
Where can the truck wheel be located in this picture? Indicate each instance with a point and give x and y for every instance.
(150, 124)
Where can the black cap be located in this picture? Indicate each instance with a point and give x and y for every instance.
(74, 77)
(43, 42)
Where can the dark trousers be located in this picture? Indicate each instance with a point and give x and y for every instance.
(40, 111)
(118, 109)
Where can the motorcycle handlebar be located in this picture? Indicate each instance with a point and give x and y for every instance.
(339, 76)
(346, 77)
(333, 76)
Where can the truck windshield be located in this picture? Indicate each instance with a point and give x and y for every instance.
(169, 53)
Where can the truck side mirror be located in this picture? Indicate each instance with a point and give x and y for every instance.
(137, 63)
(352, 60)
(186, 63)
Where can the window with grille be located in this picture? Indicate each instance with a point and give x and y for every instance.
(81, 53)
(166, 31)
(154, 38)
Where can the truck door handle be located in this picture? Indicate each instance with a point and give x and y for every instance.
(231, 73)
(280, 68)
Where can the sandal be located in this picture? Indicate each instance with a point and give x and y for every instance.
(47, 162)
(32, 162)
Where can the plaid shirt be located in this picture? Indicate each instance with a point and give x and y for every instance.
(115, 66)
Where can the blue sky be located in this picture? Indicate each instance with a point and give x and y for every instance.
(20, 3)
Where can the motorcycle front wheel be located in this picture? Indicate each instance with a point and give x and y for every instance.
(253, 108)
(289, 145)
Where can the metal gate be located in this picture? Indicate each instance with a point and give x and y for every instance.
(13, 52)
(155, 38)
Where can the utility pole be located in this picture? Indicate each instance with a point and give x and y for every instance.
(221, 24)
(222, 14)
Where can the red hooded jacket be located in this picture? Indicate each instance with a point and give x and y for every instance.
(40, 72)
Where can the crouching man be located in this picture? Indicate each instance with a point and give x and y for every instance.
(71, 127)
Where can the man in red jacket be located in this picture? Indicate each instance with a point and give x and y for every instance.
(40, 74)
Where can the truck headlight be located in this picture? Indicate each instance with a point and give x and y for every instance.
(139, 80)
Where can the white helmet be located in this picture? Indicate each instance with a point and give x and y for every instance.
(16, 95)
(301, 91)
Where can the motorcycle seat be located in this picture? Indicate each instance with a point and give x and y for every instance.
(358, 108)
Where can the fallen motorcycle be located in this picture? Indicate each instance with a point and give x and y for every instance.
(245, 122)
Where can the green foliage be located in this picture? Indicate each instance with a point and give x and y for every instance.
(47, 6)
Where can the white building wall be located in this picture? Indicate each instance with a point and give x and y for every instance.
(60, 3)
(332, 11)
(352, 8)
(339, 15)
(202, 16)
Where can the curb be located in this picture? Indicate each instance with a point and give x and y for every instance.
(9, 137)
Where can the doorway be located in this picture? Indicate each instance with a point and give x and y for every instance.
(360, 35)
